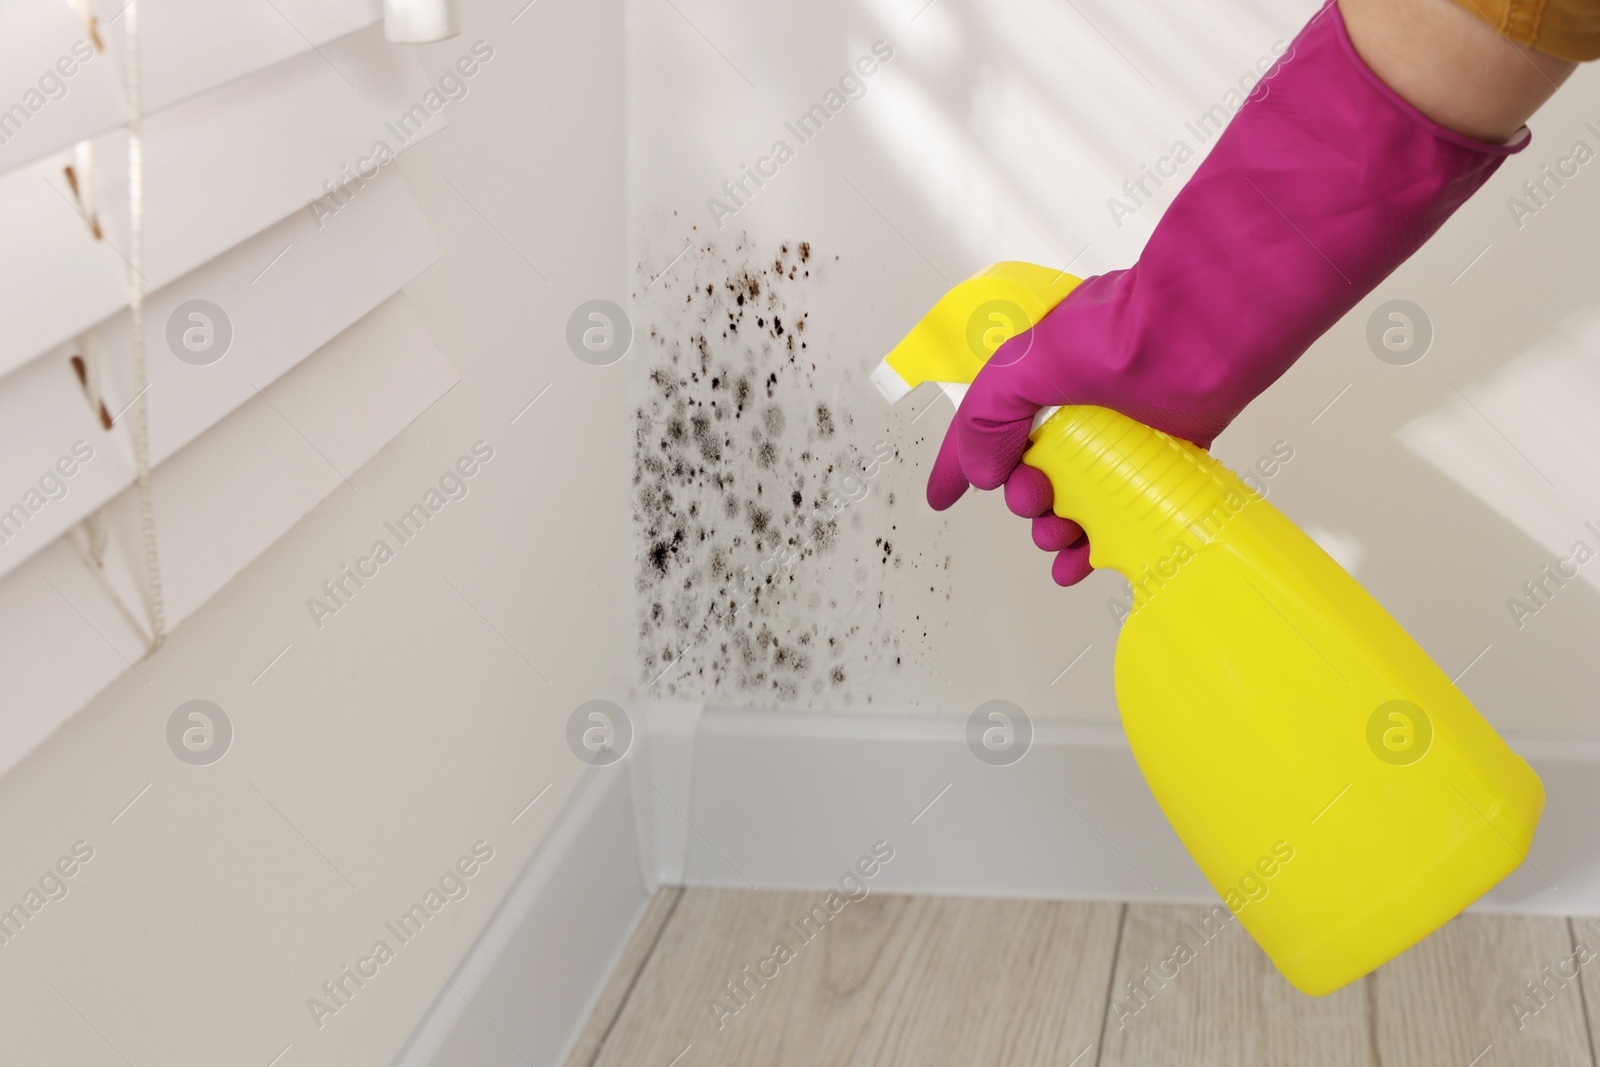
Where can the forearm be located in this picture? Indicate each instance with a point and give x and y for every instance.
(1453, 66)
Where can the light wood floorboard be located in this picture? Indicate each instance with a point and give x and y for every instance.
(1586, 936)
(1447, 1000)
(1226, 1007)
(887, 981)
(894, 981)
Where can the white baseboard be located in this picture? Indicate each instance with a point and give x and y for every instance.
(535, 972)
(789, 801)
(662, 775)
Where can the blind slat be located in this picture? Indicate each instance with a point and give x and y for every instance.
(218, 169)
(69, 91)
(220, 504)
(54, 88)
(191, 46)
(328, 279)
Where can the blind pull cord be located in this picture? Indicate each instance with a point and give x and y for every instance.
(136, 281)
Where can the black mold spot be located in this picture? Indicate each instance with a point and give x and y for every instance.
(734, 514)
(824, 421)
(706, 440)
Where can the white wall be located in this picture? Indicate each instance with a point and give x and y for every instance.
(416, 722)
(998, 131)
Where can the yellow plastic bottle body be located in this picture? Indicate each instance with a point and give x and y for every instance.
(1339, 793)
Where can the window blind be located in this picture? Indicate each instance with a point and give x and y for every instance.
(281, 352)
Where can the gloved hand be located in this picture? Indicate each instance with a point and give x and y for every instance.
(1322, 184)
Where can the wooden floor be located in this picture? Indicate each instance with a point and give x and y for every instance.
(946, 982)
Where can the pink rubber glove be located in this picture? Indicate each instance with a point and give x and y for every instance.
(1322, 184)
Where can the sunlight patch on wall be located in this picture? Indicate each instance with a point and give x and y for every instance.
(1525, 442)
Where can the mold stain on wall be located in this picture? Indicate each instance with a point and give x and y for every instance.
(765, 489)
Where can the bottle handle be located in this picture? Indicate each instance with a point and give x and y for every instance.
(1132, 488)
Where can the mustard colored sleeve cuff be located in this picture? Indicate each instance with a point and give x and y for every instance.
(1565, 29)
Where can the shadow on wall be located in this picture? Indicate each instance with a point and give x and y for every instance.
(1525, 443)
(1057, 132)
(773, 568)
(1071, 126)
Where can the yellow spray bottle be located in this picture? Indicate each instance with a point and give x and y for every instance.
(1336, 789)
